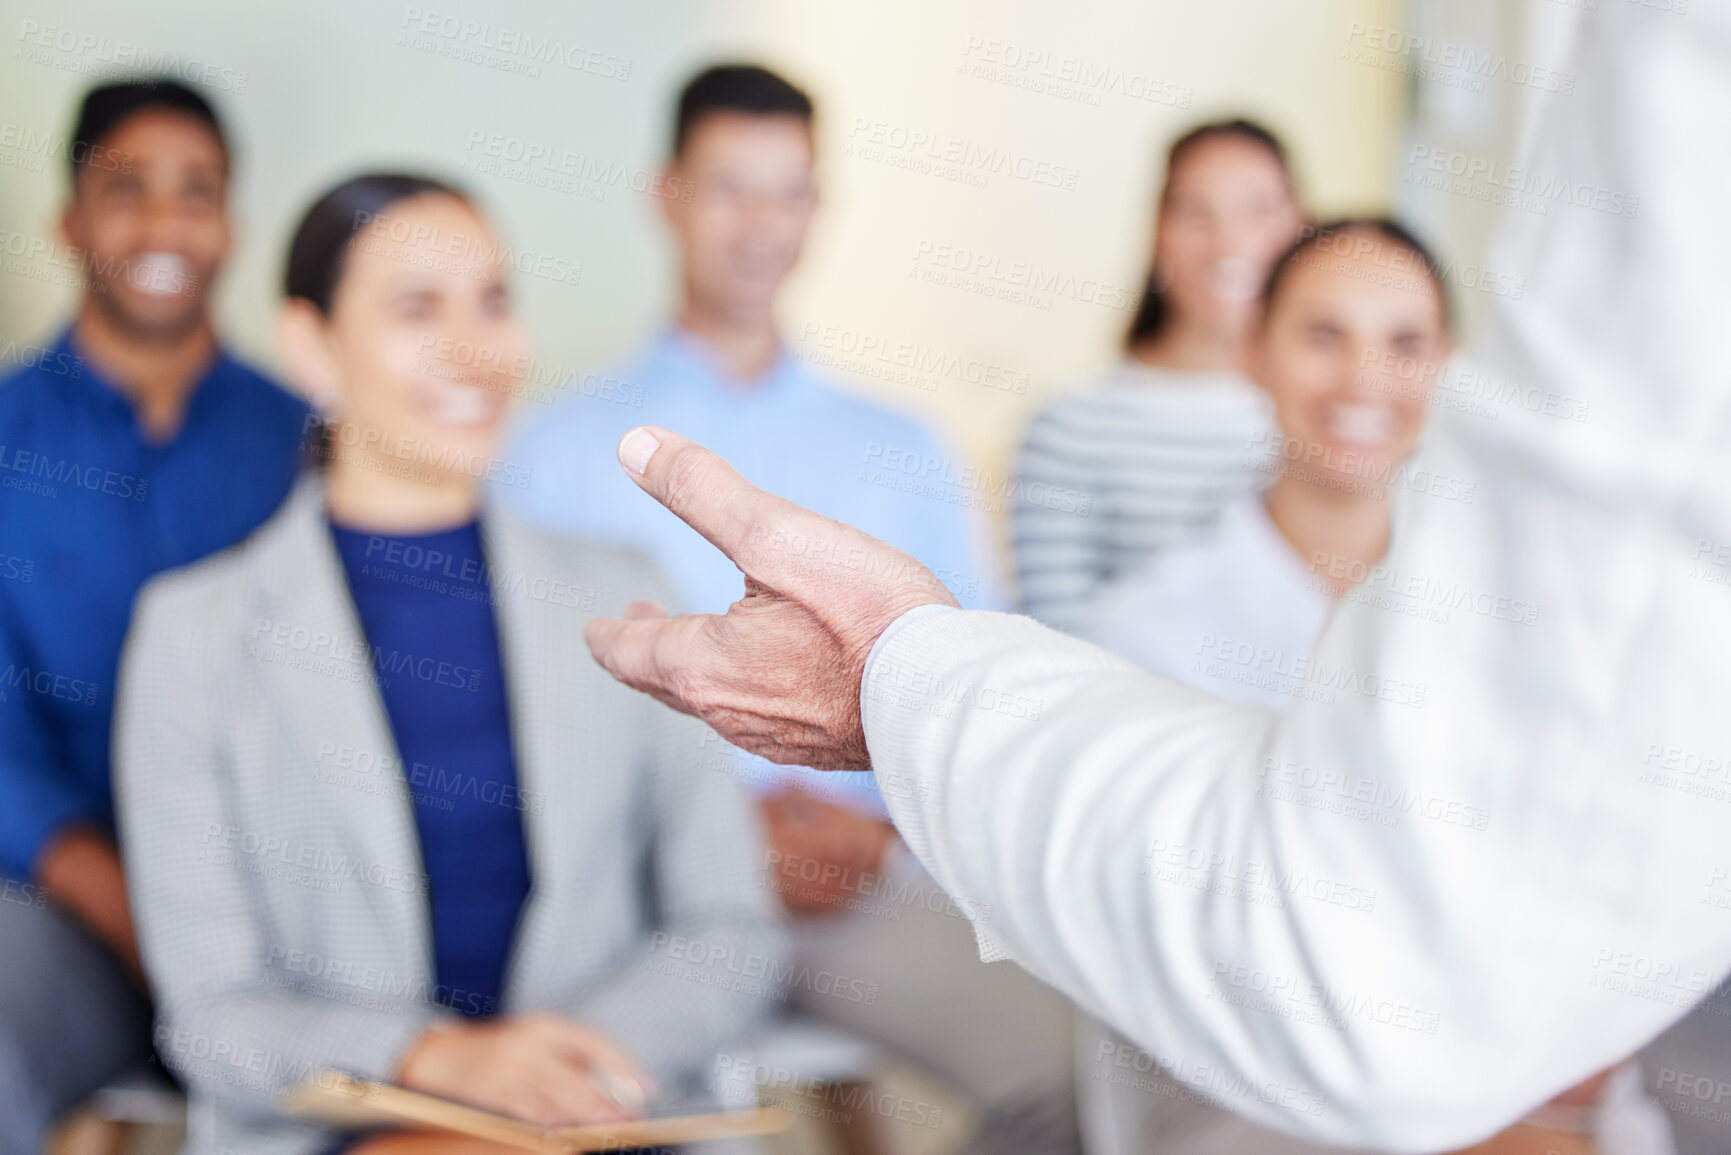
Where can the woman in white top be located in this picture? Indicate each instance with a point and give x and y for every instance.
(1144, 455)
(1354, 333)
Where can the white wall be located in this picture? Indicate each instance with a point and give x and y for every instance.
(330, 87)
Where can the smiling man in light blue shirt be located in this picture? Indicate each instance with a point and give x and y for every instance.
(740, 197)
(786, 429)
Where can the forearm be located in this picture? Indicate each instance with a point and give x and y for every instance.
(81, 870)
(244, 1048)
(1138, 846)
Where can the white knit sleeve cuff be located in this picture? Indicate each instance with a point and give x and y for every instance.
(890, 631)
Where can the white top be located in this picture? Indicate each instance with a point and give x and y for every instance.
(1235, 612)
(1539, 804)
(1137, 461)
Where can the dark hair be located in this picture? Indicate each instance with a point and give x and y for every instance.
(1392, 231)
(743, 88)
(107, 105)
(321, 241)
(1154, 312)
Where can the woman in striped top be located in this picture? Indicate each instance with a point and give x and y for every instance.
(1146, 454)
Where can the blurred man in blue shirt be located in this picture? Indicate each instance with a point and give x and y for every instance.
(738, 197)
(131, 444)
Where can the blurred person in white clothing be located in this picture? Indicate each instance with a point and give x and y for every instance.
(1354, 336)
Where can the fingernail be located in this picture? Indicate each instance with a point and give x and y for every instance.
(636, 448)
(624, 1090)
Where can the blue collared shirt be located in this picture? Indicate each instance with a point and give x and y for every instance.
(790, 433)
(89, 511)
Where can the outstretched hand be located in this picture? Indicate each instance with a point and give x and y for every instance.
(779, 673)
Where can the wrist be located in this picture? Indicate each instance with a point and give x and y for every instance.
(66, 852)
(884, 838)
(426, 1062)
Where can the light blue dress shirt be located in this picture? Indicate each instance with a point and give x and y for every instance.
(790, 433)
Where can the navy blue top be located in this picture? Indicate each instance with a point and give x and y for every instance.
(425, 604)
(89, 511)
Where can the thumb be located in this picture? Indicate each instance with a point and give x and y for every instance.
(651, 652)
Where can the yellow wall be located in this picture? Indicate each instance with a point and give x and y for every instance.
(1060, 181)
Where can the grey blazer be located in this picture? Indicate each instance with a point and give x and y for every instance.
(272, 854)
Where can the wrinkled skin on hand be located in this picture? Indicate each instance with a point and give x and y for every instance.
(779, 673)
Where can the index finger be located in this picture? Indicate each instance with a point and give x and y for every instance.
(758, 531)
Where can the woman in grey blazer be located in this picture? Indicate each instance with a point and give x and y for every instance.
(381, 811)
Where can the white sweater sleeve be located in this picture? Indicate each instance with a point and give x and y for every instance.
(1477, 860)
